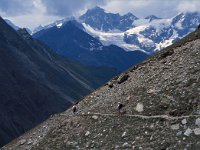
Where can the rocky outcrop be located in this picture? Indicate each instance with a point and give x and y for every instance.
(162, 108)
(101, 20)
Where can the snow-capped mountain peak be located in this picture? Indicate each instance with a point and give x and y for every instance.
(37, 29)
(10, 23)
(99, 19)
(147, 34)
(57, 23)
(130, 16)
(96, 9)
(186, 22)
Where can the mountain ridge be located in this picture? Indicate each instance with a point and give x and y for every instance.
(149, 35)
(101, 20)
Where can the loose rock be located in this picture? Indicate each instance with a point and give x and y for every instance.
(184, 121)
(95, 117)
(22, 142)
(110, 84)
(124, 134)
(125, 144)
(139, 107)
(128, 98)
(87, 133)
(179, 133)
(122, 78)
(197, 131)
(29, 142)
(188, 132)
(197, 122)
(175, 126)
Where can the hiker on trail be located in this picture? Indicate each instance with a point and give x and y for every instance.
(119, 107)
(198, 26)
(74, 109)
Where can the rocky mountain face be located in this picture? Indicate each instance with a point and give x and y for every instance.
(161, 108)
(36, 82)
(72, 41)
(162, 33)
(98, 19)
(184, 23)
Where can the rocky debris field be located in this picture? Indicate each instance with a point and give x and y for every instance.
(162, 109)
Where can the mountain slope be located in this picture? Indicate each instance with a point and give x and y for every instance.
(11, 24)
(36, 82)
(162, 108)
(72, 41)
(15, 27)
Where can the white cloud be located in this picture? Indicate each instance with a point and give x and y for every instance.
(66, 7)
(15, 7)
(33, 20)
(143, 8)
(192, 5)
(126, 6)
(31, 13)
(37, 16)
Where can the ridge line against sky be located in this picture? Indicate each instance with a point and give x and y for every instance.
(32, 13)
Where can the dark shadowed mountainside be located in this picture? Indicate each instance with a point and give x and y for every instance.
(72, 41)
(36, 82)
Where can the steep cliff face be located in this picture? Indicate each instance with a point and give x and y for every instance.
(162, 108)
(35, 82)
(100, 20)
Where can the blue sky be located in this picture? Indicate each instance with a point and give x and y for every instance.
(31, 13)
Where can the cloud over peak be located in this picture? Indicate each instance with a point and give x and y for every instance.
(64, 7)
(31, 13)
